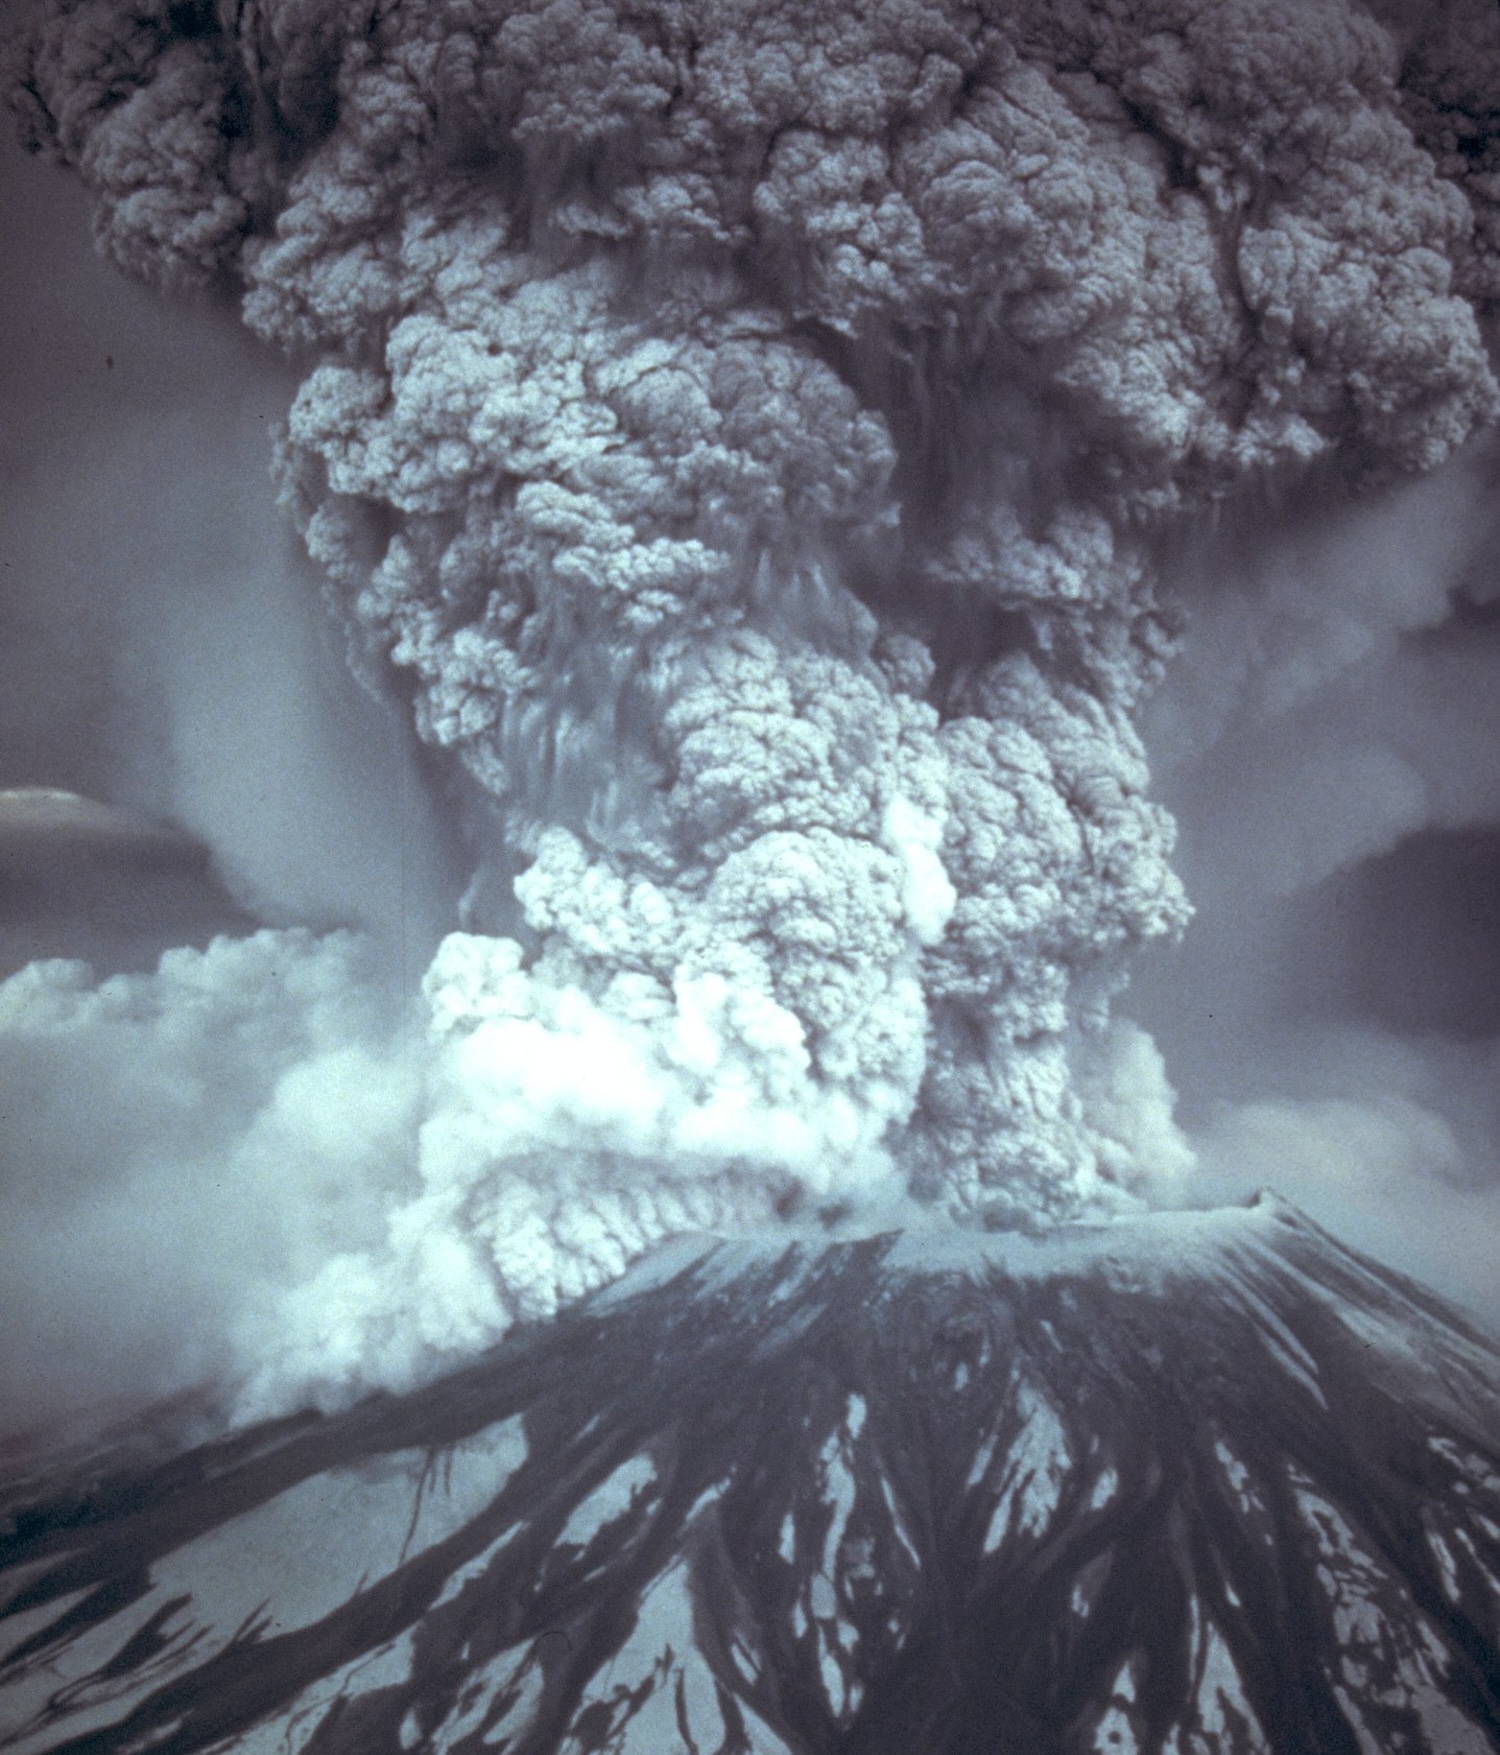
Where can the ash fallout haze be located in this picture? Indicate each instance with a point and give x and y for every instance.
(748, 569)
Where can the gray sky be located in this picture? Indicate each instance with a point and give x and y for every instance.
(162, 640)
(1329, 740)
(163, 647)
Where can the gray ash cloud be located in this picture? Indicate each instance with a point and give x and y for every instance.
(750, 436)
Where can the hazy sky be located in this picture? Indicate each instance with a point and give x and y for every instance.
(1329, 740)
(164, 644)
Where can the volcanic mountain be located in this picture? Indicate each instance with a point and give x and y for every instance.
(1191, 1482)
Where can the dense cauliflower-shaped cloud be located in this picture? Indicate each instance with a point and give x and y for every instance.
(745, 427)
(1450, 98)
(149, 116)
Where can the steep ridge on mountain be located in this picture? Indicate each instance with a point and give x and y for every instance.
(1195, 1482)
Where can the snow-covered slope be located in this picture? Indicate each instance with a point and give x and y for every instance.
(1193, 1483)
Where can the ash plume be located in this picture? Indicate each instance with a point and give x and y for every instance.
(748, 435)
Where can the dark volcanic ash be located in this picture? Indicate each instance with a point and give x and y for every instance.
(745, 433)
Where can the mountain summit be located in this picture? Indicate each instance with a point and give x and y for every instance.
(1197, 1483)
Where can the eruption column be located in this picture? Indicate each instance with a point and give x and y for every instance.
(744, 431)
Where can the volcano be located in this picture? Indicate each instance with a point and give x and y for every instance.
(1188, 1482)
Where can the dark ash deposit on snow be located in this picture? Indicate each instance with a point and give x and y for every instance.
(1205, 1483)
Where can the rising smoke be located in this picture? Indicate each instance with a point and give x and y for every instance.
(754, 439)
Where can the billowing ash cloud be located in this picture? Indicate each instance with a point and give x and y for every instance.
(747, 432)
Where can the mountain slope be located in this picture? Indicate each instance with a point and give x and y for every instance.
(1194, 1482)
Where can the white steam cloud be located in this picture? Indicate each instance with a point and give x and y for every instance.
(752, 437)
(176, 1142)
